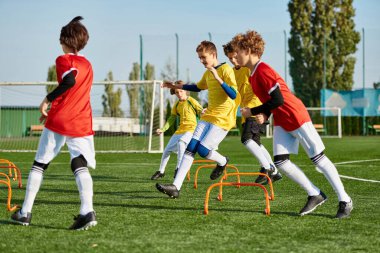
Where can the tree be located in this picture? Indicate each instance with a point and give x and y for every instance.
(376, 85)
(136, 93)
(52, 77)
(111, 99)
(322, 36)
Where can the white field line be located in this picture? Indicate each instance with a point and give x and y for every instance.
(355, 178)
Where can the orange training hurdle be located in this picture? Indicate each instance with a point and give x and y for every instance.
(6, 164)
(221, 184)
(220, 196)
(198, 161)
(8, 184)
(213, 166)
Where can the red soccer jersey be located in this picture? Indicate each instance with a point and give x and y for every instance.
(292, 114)
(70, 114)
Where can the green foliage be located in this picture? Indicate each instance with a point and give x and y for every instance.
(376, 85)
(111, 99)
(319, 29)
(136, 93)
(134, 217)
(52, 77)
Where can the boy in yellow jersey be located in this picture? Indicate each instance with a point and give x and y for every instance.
(250, 136)
(218, 119)
(187, 108)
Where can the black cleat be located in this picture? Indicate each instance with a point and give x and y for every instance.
(84, 222)
(218, 171)
(344, 209)
(175, 172)
(169, 189)
(273, 174)
(157, 175)
(18, 218)
(313, 202)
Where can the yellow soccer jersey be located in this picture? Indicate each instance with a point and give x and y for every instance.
(248, 98)
(187, 111)
(221, 110)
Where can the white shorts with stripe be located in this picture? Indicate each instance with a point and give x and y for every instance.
(172, 145)
(209, 134)
(51, 143)
(287, 142)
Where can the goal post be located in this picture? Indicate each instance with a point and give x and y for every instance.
(125, 116)
(326, 120)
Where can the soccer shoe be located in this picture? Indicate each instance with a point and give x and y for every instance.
(18, 218)
(344, 209)
(274, 177)
(313, 202)
(218, 171)
(175, 172)
(168, 189)
(84, 222)
(157, 175)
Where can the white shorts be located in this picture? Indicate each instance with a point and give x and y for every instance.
(287, 142)
(172, 145)
(51, 143)
(209, 135)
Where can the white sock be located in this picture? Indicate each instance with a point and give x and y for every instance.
(84, 183)
(297, 175)
(215, 156)
(329, 170)
(256, 150)
(267, 155)
(164, 161)
(181, 150)
(33, 186)
(186, 162)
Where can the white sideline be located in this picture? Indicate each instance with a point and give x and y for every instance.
(355, 178)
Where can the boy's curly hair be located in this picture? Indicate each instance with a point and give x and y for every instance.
(74, 35)
(250, 40)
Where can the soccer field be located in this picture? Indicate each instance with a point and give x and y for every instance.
(134, 217)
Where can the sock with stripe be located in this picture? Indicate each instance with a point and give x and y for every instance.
(33, 186)
(85, 187)
(330, 172)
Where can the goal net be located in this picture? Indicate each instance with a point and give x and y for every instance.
(327, 121)
(125, 116)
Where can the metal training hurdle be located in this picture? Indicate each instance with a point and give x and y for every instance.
(16, 176)
(238, 183)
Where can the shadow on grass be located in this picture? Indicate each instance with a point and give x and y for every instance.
(9, 222)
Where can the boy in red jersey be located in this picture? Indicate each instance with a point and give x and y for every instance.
(250, 136)
(69, 121)
(292, 125)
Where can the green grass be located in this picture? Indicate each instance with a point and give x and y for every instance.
(134, 217)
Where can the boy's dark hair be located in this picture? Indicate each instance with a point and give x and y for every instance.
(74, 35)
(207, 46)
(228, 48)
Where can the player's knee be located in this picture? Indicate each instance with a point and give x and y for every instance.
(203, 151)
(192, 147)
(317, 158)
(43, 166)
(78, 162)
(279, 160)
